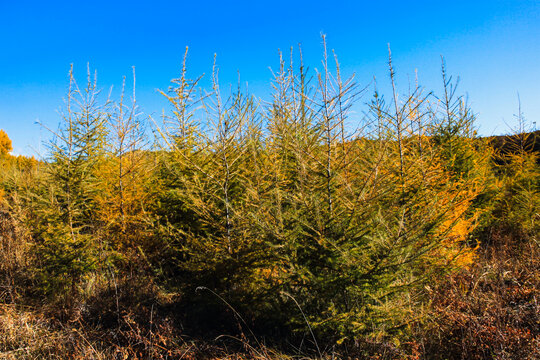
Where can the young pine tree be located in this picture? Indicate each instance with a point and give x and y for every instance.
(68, 243)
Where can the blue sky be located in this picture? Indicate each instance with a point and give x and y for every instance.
(493, 46)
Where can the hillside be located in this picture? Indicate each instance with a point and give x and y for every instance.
(245, 230)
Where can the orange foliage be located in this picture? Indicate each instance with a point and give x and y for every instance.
(5, 143)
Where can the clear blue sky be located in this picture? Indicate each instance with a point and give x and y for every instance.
(494, 46)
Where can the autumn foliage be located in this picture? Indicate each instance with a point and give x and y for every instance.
(289, 223)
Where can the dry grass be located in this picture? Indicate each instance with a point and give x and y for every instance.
(491, 311)
(26, 334)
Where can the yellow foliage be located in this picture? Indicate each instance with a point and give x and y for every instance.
(5, 143)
